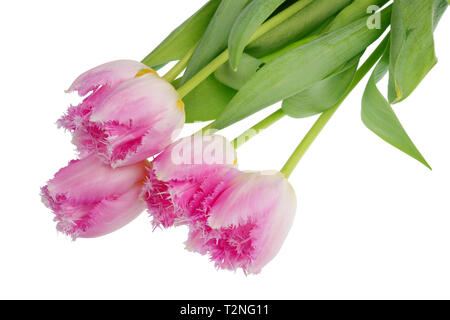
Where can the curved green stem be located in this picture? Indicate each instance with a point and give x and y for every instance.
(203, 74)
(253, 131)
(250, 133)
(224, 56)
(313, 133)
(180, 66)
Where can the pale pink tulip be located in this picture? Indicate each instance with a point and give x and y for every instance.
(130, 113)
(245, 225)
(90, 199)
(186, 175)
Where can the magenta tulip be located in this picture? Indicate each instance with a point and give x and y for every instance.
(178, 179)
(129, 114)
(90, 199)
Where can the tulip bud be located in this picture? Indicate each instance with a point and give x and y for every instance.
(188, 172)
(129, 115)
(90, 199)
(246, 224)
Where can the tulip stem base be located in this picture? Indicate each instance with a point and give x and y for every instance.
(318, 126)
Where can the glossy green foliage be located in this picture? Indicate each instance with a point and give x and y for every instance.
(245, 26)
(182, 39)
(356, 10)
(322, 95)
(378, 115)
(215, 38)
(206, 101)
(296, 27)
(299, 68)
(412, 44)
(326, 93)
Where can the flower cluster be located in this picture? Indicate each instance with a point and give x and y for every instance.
(305, 54)
(240, 219)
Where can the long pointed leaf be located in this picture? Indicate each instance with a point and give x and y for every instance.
(215, 39)
(296, 27)
(182, 39)
(378, 115)
(237, 79)
(322, 95)
(246, 25)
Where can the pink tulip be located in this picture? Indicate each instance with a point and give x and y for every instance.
(188, 173)
(129, 114)
(90, 199)
(245, 225)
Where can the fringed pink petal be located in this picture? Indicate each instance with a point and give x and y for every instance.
(229, 248)
(159, 201)
(270, 236)
(140, 101)
(182, 198)
(246, 224)
(90, 180)
(113, 213)
(97, 218)
(120, 145)
(151, 142)
(209, 188)
(108, 74)
(182, 202)
(135, 122)
(250, 195)
(98, 82)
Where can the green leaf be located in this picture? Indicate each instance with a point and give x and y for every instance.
(378, 115)
(440, 6)
(286, 4)
(215, 39)
(299, 68)
(246, 25)
(182, 39)
(296, 27)
(237, 79)
(353, 12)
(322, 95)
(318, 32)
(207, 100)
(412, 45)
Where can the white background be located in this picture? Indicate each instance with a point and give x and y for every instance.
(371, 222)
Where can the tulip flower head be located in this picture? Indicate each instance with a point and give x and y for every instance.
(189, 172)
(245, 225)
(129, 114)
(90, 199)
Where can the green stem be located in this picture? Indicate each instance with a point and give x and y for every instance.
(180, 66)
(203, 74)
(314, 132)
(262, 125)
(224, 56)
(280, 18)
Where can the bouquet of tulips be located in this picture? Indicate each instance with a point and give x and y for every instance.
(233, 58)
